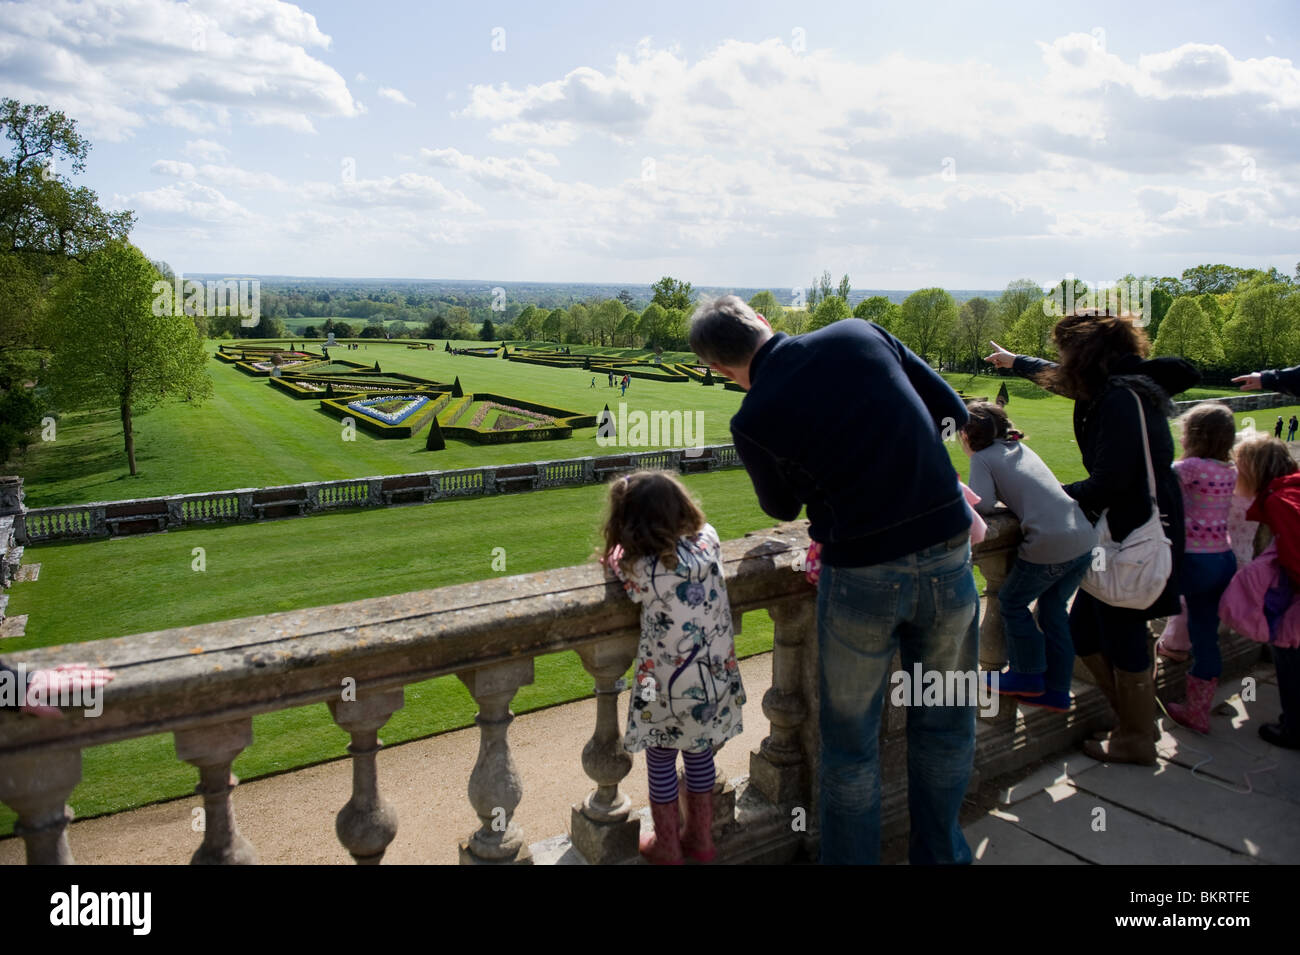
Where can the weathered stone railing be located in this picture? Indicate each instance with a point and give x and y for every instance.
(145, 515)
(1244, 402)
(205, 683)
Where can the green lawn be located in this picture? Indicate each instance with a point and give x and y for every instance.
(251, 435)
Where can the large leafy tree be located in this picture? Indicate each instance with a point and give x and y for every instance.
(605, 318)
(878, 309)
(1031, 334)
(114, 349)
(1186, 331)
(47, 227)
(765, 304)
(1264, 330)
(1017, 297)
(672, 293)
(926, 320)
(977, 324)
(830, 309)
(1212, 278)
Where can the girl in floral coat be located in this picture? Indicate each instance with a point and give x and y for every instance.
(687, 693)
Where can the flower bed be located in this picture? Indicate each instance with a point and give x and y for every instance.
(392, 410)
(532, 418)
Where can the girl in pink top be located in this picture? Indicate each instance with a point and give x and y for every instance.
(1207, 478)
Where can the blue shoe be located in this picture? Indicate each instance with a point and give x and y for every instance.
(1057, 700)
(1011, 683)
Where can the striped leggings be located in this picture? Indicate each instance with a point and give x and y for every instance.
(662, 764)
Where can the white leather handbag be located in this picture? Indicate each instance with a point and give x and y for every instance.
(1132, 572)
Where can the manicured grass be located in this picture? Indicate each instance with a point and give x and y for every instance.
(251, 435)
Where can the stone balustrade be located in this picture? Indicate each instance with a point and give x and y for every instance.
(205, 683)
(150, 515)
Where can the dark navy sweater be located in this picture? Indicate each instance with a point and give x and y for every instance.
(847, 421)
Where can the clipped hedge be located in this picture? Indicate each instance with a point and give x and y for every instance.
(338, 407)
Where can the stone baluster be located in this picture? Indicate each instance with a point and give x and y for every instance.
(994, 565)
(368, 823)
(601, 828)
(495, 788)
(777, 767)
(36, 786)
(212, 749)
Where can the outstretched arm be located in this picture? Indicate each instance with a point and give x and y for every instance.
(775, 495)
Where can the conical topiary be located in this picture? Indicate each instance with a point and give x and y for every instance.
(708, 376)
(447, 347)
(329, 389)
(376, 366)
(606, 427)
(435, 441)
(1003, 397)
(456, 391)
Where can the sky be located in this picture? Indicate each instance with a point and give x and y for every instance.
(746, 144)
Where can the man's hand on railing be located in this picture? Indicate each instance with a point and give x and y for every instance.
(65, 679)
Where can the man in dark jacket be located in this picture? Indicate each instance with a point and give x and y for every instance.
(847, 422)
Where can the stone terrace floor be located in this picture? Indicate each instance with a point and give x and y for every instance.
(1172, 813)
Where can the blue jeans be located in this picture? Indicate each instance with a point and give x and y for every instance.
(926, 607)
(1205, 578)
(1044, 646)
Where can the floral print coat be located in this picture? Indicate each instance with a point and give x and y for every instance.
(687, 693)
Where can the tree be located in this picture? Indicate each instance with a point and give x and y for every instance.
(844, 289)
(555, 325)
(926, 320)
(814, 296)
(1212, 278)
(671, 293)
(1213, 311)
(795, 320)
(528, 323)
(487, 333)
(626, 329)
(579, 329)
(1187, 332)
(832, 309)
(1031, 333)
(874, 309)
(650, 327)
(605, 319)
(1017, 297)
(977, 323)
(1263, 330)
(625, 297)
(765, 304)
(438, 327)
(112, 347)
(1161, 300)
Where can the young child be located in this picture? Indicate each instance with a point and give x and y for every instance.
(1053, 557)
(1267, 472)
(1207, 478)
(687, 694)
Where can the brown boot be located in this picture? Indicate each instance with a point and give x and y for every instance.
(1104, 676)
(697, 837)
(1130, 741)
(663, 846)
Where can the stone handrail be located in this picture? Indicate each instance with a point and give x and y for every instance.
(143, 515)
(205, 683)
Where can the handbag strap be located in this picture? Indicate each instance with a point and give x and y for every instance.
(1146, 447)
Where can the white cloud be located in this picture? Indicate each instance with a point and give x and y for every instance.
(409, 190)
(205, 149)
(397, 96)
(115, 65)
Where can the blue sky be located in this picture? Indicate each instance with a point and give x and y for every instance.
(740, 144)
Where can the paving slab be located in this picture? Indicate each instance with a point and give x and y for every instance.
(28, 572)
(1256, 824)
(15, 626)
(1065, 816)
(1059, 770)
(996, 841)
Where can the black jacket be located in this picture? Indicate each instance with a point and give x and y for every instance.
(1107, 431)
(847, 421)
(1282, 379)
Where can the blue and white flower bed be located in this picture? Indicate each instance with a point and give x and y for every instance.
(365, 406)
